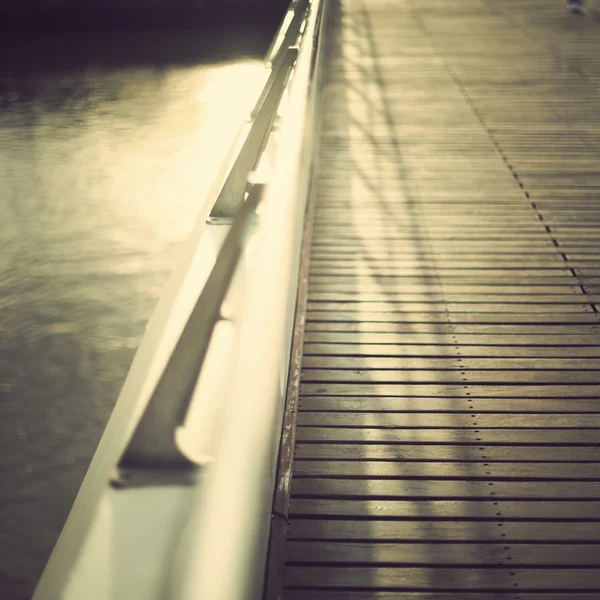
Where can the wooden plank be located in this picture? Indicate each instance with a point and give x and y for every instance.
(576, 231)
(436, 206)
(442, 578)
(449, 362)
(589, 270)
(442, 215)
(450, 405)
(321, 252)
(541, 254)
(360, 219)
(410, 255)
(474, 489)
(312, 349)
(429, 289)
(465, 278)
(525, 322)
(457, 453)
(542, 248)
(457, 309)
(422, 274)
(484, 470)
(405, 554)
(450, 420)
(459, 338)
(450, 390)
(575, 296)
(464, 318)
(404, 246)
(418, 222)
(415, 508)
(442, 531)
(416, 266)
(413, 263)
(438, 212)
(436, 218)
(582, 256)
(394, 224)
(329, 594)
(580, 329)
(581, 247)
(425, 290)
(566, 214)
(438, 242)
(477, 437)
(418, 269)
(455, 233)
(434, 213)
(473, 377)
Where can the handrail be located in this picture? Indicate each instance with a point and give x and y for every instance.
(153, 444)
(287, 38)
(263, 115)
(152, 533)
(231, 196)
(222, 555)
(277, 41)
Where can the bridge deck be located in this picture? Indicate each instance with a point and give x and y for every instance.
(447, 442)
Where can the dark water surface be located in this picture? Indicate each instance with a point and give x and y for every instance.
(108, 141)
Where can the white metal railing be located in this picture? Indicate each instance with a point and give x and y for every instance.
(177, 500)
(154, 445)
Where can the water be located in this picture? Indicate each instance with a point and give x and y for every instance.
(108, 142)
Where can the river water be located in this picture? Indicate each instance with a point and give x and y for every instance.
(108, 142)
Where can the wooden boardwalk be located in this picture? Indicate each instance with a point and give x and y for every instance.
(448, 430)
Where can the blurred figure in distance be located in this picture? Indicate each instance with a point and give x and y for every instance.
(575, 6)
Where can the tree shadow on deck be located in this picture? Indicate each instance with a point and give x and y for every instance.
(370, 221)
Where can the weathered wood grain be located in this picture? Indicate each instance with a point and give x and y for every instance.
(448, 440)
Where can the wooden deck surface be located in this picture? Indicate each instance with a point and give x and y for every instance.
(448, 431)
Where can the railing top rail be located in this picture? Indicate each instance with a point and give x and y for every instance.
(160, 536)
(277, 41)
(153, 446)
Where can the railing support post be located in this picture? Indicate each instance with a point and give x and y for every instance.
(153, 454)
(231, 196)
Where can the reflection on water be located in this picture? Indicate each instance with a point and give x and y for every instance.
(102, 167)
